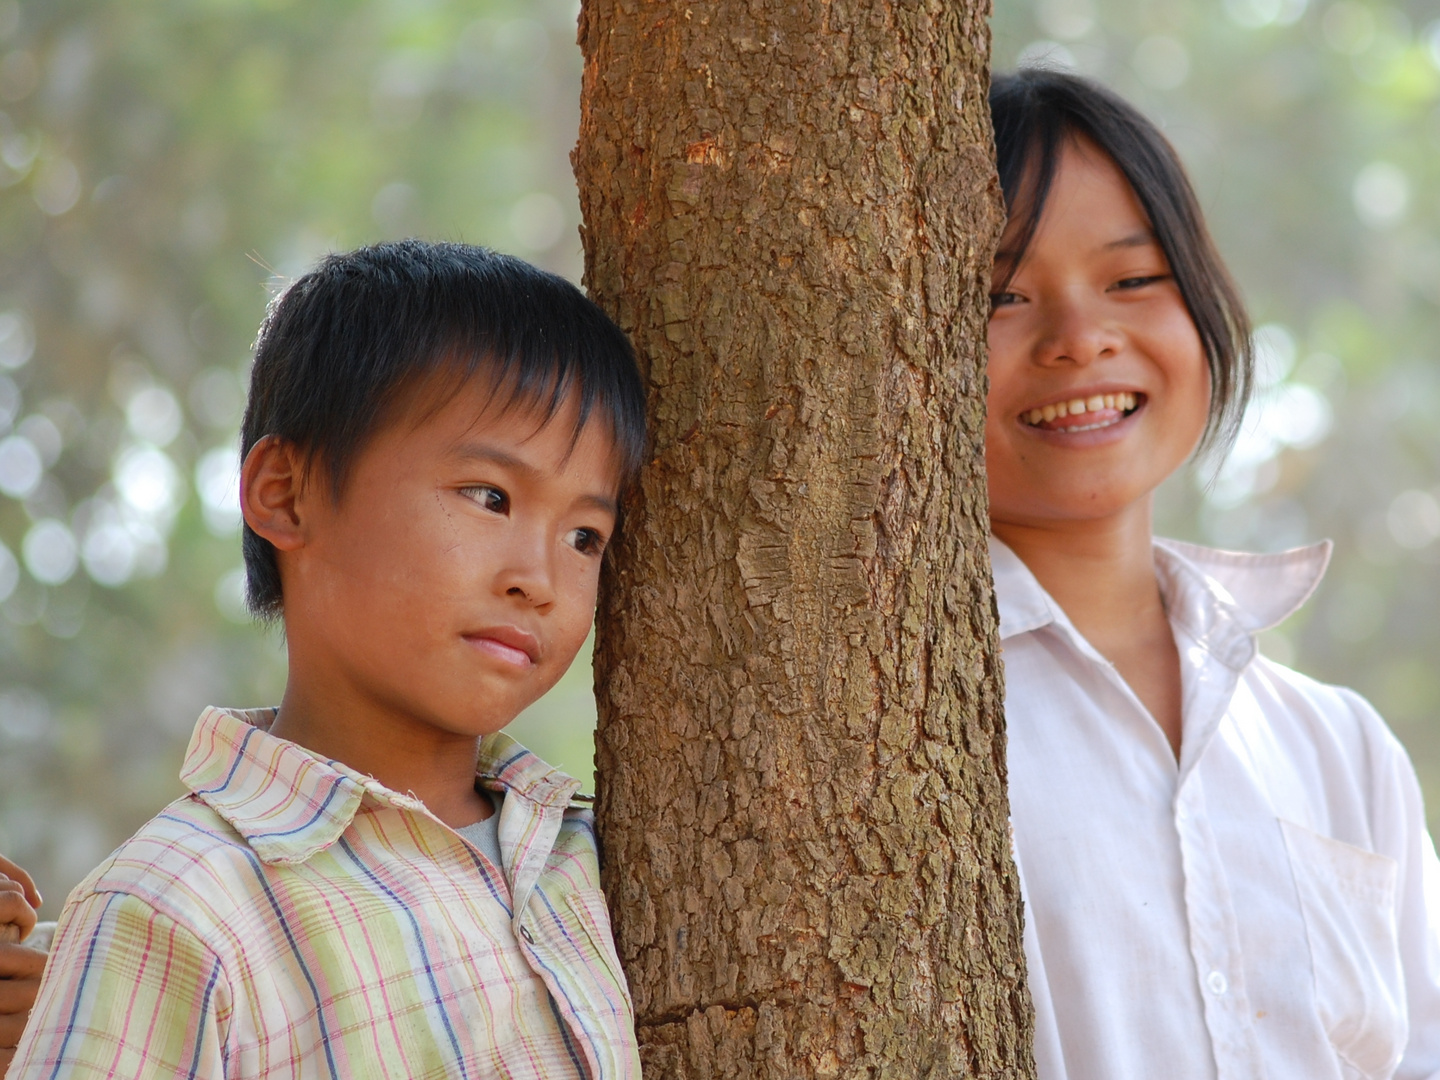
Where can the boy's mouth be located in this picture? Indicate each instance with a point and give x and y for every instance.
(1090, 413)
(507, 644)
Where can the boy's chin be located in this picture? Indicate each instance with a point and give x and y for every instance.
(467, 723)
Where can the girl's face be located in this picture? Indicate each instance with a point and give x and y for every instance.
(1099, 387)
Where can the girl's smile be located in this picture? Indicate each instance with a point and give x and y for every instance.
(1092, 417)
(1085, 412)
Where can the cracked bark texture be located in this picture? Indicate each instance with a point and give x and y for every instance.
(790, 205)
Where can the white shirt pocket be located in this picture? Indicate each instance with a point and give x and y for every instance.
(1347, 896)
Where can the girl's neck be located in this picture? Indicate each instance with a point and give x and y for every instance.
(1097, 571)
(1102, 574)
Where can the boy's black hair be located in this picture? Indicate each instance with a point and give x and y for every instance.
(343, 345)
(1035, 111)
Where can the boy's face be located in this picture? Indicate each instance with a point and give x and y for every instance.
(455, 579)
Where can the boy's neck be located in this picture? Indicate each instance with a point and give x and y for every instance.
(402, 752)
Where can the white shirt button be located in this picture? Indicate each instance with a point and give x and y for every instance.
(1217, 982)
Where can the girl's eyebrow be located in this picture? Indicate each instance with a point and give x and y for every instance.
(1139, 239)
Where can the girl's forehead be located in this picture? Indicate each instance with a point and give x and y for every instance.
(1089, 208)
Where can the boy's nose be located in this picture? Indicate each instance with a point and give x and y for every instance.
(527, 573)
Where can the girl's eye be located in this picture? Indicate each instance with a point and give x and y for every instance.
(586, 541)
(1004, 299)
(491, 498)
(1139, 282)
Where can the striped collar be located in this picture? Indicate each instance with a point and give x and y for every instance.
(289, 804)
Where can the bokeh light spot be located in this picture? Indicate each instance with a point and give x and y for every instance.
(24, 714)
(21, 467)
(9, 573)
(537, 221)
(1381, 194)
(149, 483)
(230, 596)
(1414, 519)
(217, 480)
(44, 435)
(1348, 27)
(57, 186)
(153, 414)
(50, 552)
(1065, 20)
(1161, 62)
(17, 340)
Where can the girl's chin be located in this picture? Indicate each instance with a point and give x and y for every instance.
(1076, 505)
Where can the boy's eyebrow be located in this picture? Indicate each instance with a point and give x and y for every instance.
(480, 452)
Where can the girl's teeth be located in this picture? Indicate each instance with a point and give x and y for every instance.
(1080, 406)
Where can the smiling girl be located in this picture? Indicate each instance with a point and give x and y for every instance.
(1225, 863)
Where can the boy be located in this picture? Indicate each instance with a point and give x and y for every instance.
(371, 880)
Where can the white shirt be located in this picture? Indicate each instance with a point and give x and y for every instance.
(1270, 906)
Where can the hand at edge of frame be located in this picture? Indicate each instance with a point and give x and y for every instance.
(20, 971)
(19, 900)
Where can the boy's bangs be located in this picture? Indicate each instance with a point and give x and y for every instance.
(536, 388)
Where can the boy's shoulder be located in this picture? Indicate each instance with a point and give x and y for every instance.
(184, 849)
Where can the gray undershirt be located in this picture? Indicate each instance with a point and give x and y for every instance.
(485, 835)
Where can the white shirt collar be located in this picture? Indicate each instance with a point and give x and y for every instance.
(1222, 598)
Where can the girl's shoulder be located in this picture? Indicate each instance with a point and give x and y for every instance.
(1331, 733)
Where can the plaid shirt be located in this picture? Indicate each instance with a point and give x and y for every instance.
(294, 918)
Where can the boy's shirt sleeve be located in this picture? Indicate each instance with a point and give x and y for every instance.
(127, 992)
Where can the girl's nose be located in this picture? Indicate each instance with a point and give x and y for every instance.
(1074, 332)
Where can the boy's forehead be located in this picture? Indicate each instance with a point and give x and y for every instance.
(522, 432)
(469, 415)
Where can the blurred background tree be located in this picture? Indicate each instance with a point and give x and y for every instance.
(166, 165)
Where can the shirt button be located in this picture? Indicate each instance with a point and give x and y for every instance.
(525, 933)
(1217, 982)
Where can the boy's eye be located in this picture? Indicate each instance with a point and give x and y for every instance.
(491, 498)
(586, 541)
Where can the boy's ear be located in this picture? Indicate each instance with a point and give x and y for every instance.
(271, 479)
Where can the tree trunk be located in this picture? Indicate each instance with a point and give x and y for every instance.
(791, 206)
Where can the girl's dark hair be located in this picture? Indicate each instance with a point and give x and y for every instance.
(1035, 111)
(343, 345)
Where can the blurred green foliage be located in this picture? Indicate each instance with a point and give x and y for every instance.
(166, 165)
(1312, 131)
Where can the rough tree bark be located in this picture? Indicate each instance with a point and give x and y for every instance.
(790, 205)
